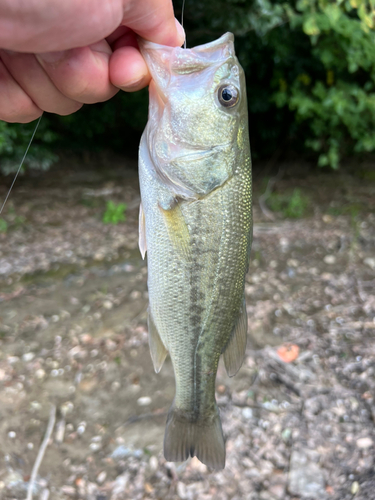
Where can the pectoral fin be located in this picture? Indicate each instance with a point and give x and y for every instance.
(235, 350)
(142, 232)
(157, 348)
(178, 231)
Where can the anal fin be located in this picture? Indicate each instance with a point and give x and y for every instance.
(157, 348)
(235, 350)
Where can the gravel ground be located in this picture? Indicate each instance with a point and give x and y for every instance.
(73, 337)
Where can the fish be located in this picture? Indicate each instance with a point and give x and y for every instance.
(195, 223)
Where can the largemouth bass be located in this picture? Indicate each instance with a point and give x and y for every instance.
(196, 225)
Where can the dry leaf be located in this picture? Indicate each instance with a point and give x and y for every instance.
(288, 352)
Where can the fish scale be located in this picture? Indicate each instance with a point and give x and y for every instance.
(196, 225)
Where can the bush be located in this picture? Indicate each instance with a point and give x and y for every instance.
(14, 139)
(310, 68)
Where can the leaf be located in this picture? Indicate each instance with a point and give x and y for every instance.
(288, 352)
(310, 26)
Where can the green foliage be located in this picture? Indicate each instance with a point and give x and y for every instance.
(114, 213)
(3, 225)
(310, 69)
(336, 102)
(14, 139)
(293, 206)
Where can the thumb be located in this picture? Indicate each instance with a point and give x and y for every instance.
(154, 20)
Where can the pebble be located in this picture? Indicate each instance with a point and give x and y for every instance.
(12, 434)
(364, 443)
(107, 304)
(154, 464)
(13, 359)
(110, 345)
(28, 356)
(101, 477)
(293, 262)
(85, 338)
(329, 259)
(68, 490)
(247, 413)
(181, 490)
(95, 446)
(327, 218)
(370, 262)
(354, 488)
(81, 428)
(144, 401)
(121, 452)
(120, 485)
(305, 477)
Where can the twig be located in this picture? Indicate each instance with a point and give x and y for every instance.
(42, 450)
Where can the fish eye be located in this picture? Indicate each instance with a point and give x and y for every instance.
(228, 95)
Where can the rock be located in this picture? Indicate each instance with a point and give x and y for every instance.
(95, 447)
(154, 464)
(181, 490)
(28, 356)
(101, 477)
(144, 401)
(370, 262)
(364, 443)
(329, 259)
(121, 452)
(120, 485)
(70, 491)
(305, 477)
(247, 413)
(354, 488)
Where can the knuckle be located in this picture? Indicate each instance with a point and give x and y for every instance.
(69, 110)
(22, 112)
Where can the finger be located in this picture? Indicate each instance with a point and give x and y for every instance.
(29, 75)
(157, 25)
(15, 105)
(81, 74)
(128, 70)
(60, 25)
(32, 26)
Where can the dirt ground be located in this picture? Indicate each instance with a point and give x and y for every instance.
(73, 337)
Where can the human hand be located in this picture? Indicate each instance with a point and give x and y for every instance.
(66, 77)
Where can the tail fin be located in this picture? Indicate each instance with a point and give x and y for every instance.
(203, 439)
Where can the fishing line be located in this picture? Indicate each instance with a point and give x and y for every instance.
(23, 159)
(182, 20)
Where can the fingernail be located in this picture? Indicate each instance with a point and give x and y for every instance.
(180, 31)
(52, 57)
